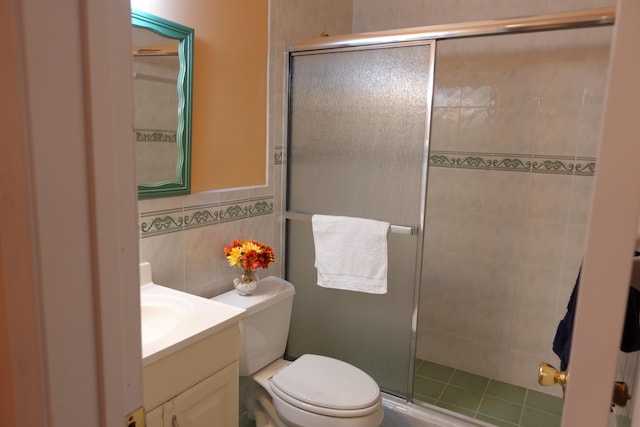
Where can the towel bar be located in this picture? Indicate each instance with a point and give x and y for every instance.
(396, 229)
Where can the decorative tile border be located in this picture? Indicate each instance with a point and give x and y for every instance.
(155, 135)
(172, 220)
(558, 165)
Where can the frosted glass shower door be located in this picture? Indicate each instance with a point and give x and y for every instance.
(358, 125)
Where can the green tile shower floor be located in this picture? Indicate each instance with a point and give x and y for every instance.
(484, 399)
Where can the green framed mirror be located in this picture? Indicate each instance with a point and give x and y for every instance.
(162, 93)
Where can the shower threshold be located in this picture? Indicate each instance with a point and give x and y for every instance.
(400, 413)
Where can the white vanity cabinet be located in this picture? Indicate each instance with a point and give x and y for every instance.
(195, 385)
(208, 403)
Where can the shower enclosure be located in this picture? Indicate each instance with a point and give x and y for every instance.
(503, 129)
(358, 127)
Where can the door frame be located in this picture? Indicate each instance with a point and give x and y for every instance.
(611, 235)
(103, 382)
(69, 282)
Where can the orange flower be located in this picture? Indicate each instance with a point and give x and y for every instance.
(249, 254)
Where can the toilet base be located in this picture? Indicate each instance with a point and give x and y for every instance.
(260, 407)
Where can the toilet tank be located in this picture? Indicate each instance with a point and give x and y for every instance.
(265, 327)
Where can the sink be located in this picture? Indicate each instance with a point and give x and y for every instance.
(161, 314)
(171, 320)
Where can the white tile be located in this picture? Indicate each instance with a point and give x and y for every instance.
(580, 204)
(521, 81)
(508, 194)
(563, 78)
(166, 255)
(589, 128)
(558, 130)
(515, 130)
(493, 323)
(502, 237)
(467, 190)
(414, 13)
(444, 128)
(458, 318)
(497, 281)
(475, 129)
(533, 330)
(574, 246)
(538, 289)
(544, 244)
(549, 197)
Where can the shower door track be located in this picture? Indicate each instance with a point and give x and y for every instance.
(546, 22)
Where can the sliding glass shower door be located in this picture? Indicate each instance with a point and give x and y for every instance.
(357, 132)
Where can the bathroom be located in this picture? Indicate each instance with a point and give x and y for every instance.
(191, 259)
(552, 233)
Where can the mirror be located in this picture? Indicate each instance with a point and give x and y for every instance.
(162, 92)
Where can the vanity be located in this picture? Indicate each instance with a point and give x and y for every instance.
(190, 357)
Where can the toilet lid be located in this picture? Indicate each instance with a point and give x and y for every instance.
(328, 383)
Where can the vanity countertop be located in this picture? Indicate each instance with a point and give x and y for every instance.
(172, 320)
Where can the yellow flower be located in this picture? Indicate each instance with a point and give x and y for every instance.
(235, 257)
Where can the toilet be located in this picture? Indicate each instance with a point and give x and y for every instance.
(313, 390)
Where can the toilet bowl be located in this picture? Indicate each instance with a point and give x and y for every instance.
(313, 390)
(319, 391)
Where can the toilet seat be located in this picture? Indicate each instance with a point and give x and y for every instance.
(326, 386)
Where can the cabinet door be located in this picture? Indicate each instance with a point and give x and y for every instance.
(154, 418)
(211, 402)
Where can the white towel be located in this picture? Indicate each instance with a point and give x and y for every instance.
(351, 253)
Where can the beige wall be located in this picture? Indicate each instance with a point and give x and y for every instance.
(229, 88)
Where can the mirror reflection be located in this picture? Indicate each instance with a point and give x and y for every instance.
(162, 70)
(155, 77)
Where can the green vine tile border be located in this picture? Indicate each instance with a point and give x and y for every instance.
(559, 165)
(155, 135)
(172, 220)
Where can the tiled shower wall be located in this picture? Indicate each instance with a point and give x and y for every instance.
(183, 237)
(513, 151)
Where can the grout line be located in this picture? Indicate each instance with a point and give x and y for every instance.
(446, 384)
(524, 403)
(484, 394)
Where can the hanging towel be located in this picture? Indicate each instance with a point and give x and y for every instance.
(351, 253)
(630, 341)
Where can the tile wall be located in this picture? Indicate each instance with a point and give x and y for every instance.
(513, 152)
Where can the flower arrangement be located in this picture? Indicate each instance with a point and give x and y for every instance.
(248, 255)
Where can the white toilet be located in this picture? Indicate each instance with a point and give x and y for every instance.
(312, 391)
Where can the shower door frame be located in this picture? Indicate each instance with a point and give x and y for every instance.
(418, 229)
(539, 23)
